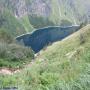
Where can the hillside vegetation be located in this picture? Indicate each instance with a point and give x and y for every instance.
(12, 54)
(10, 24)
(65, 65)
(26, 23)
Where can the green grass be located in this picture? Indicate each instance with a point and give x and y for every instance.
(54, 69)
(14, 64)
(26, 23)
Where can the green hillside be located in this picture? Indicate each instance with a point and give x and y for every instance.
(10, 24)
(65, 65)
(12, 55)
(26, 23)
(40, 21)
(58, 12)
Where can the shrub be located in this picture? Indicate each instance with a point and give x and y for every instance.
(5, 37)
(17, 52)
(82, 38)
(14, 55)
(39, 21)
(3, 49)
(65, 23)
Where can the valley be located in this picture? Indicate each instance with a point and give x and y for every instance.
(44, 44)
(66, 61)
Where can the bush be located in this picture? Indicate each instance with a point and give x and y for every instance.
(82, 38)
(5, 37)
(15, 52)
(3, 49)
(39, 21)
(65, 23)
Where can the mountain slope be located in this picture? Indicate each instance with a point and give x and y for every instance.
(65, 65)
(49, 12)
(26, 23)
(10, 24)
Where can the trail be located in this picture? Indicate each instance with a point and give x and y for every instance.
(10, 71)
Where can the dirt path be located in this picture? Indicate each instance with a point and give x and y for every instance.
(5, 71)
(10, 71)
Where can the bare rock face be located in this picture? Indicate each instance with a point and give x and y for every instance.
(20, 8)
(40, 7)
(24, 7)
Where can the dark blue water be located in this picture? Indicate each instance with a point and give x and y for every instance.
(38, 39)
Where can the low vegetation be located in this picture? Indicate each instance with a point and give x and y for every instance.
(13, 55)
(10, 24)
(39, 21)
(5, 36)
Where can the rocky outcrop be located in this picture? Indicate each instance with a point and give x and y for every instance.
(39, 7)
(24, 7)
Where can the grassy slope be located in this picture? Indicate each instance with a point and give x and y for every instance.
(26, 23)
(71, 10)
(55, 70)
(64, 12)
